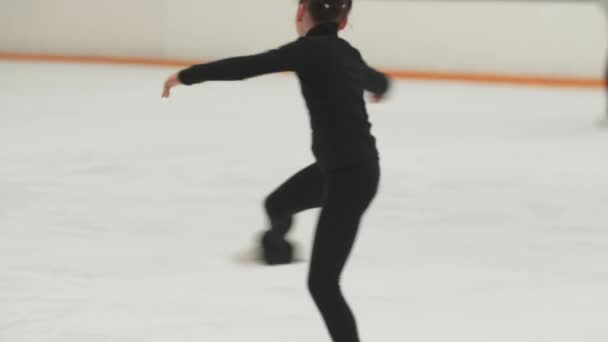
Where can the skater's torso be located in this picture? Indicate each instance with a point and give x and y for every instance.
(332, 85)
(333, 77)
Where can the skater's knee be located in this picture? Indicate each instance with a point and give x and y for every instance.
(322, 288)
(271, 205)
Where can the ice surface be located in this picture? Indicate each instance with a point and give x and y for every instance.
(121, 214)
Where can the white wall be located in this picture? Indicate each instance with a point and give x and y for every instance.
(564, 39)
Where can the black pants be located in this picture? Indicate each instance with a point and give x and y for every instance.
(343, 195)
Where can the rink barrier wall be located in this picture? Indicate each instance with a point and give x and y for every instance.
(486, 78)
(512, 41)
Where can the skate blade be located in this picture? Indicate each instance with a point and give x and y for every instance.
(253, 256)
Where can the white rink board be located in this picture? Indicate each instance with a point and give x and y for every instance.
(514, 37)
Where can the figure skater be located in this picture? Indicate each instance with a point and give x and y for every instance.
(344, 179)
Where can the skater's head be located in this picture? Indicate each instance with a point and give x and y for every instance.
(314, 12)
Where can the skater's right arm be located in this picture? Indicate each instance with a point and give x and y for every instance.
(374, 81)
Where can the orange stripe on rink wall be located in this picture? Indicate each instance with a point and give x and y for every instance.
(522, 80)
(506, 79)
(93, 59)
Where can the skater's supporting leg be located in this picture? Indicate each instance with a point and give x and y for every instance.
(349, 193)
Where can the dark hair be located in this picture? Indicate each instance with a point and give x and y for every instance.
(327, 11)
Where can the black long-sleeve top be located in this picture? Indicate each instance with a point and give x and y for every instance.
(333, 77)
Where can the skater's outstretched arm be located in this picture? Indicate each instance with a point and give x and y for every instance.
(285, 58)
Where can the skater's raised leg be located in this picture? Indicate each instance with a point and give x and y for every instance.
(301, 192)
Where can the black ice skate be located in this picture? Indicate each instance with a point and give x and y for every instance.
(276, 250)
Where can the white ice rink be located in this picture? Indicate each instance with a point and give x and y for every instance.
(122, 215)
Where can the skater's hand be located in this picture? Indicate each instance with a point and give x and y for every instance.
(376, 98)
(383, 95)
(171, 82)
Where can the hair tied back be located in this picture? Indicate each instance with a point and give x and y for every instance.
(323, 11)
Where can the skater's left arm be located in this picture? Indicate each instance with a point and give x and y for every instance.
(285, 58)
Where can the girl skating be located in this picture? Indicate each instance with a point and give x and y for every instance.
(344, 179)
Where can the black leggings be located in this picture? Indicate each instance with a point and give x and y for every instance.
(343, 195)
